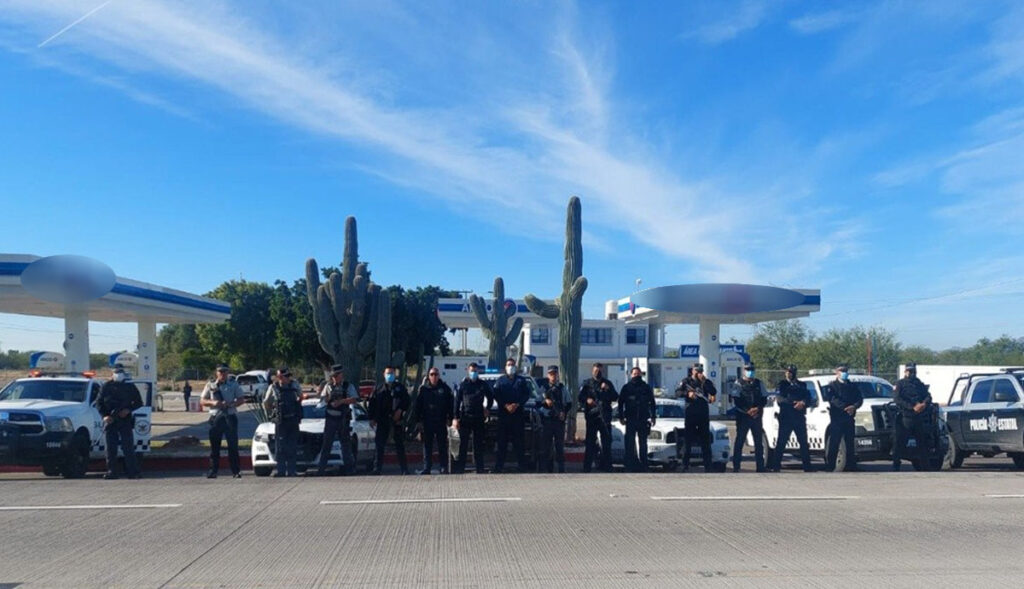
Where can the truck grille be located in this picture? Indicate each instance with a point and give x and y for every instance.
(28, 423)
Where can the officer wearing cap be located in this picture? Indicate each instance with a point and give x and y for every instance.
(337, 398)
(117, 400)
(596, 397)
(749, 401)
(915, 405)
(552, 410)
(435, 406)
(699, 393)
(284, 403)
(794, 398)
(844, 398)
(221, 397)
(473, 397)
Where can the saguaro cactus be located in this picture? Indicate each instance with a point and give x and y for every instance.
(568, 308)
(345, 309)
(495, 327)
(382, 355)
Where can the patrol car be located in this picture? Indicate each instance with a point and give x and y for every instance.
(532, 426)
(661, 441)
(311, 435)
(988, 417)
(50, 420)
(873, 434)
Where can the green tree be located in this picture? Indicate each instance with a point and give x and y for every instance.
(246, 340)
(295, 340)
(778, 343)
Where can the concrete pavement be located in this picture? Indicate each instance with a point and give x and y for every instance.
(657, 530)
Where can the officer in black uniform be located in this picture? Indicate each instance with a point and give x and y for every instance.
(472, 399)
(844, 398)
(699, 393)
(117, 400)
(553, 410)
(337, 397)
(596, 397)
(794, 398)
(915, 406)
(435, 405)
(387, 410)
(638, 412)
(283, 402)
(511, 392)
(750, 401)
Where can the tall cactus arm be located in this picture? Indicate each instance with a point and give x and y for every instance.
(480, 312)
(368, 342)
(513, 334)
(339, 299)
(579, 286)
(539, 307)
(358, 295)
(312, 280)
(329, 325)
(350, 259)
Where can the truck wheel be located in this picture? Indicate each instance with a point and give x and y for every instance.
(262, 471)
(76, 463)
(1018, 460)
(670, 466)
(954, 456)
(841, 458)
(51, 469)
(769, 452)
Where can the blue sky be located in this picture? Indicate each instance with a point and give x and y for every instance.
(868, 149)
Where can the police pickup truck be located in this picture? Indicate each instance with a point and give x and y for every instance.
(986, 416)
(51, 420)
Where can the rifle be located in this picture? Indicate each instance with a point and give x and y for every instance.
(697, 392)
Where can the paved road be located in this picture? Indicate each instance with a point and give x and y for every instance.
(818, 530)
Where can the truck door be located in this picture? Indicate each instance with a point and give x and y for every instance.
(144, 417)
(1006, 409)
(96, 431)
(974, 424)
(817, 416)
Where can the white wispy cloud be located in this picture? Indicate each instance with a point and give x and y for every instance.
(811, 24)
(740, 18)
(522, 151)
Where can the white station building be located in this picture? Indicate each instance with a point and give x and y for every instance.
(80, 290)
(632, 333)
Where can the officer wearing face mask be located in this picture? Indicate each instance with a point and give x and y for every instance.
(915, 405)
(699, 393)
(511, 392)
(794, 399)
(473, 397)
(117, 401)
(638, 412)
(844, 398)
(750, 400)
(596, 397)
(388, 405)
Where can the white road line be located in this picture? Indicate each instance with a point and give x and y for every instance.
(1005, 496)
(759, 498)
(442, 500)
(66, 507)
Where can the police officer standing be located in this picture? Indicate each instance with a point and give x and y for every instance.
(472, 399)
(435, 405)
(283, 402)
(117, 400)
(337, 397)
(511, 392)
(843, 401)
(915, 405)
(638, 412)
(186, 393)
(388, 405)
(699, 393)
(794, 399)
(750, 400)
(596, 397)
(552, 410)
(221, 397)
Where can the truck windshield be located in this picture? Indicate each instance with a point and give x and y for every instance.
(670, 411)
(247, 379)
(874, 390)
(50, 390)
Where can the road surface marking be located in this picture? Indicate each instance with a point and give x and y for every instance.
(64, 507)
(444, 500)
(758, 498)
(1005, 496)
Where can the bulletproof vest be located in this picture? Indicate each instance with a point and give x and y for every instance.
(287, 407)
(913, 390)
(434, 409)
(338, 392)
(750, 394)
(473, 398)
(791, 392)
(557, 394)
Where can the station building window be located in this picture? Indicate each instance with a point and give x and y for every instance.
(636, 335)
(596, 336)
(540, 335)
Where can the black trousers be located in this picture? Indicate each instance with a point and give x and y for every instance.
(920, 425)
(471, 426)
(510, 429)
(120, 434)
(552, 438)
(696, 432)
(597, 427)
(841, 430)
(435, 432)
(286, 442)
(744, 424)
(336, 429)
(397, 433)
(788, 425)
(224, 428)
(636, 440)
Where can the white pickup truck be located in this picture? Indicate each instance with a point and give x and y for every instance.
(51, 420)
(253, 383)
